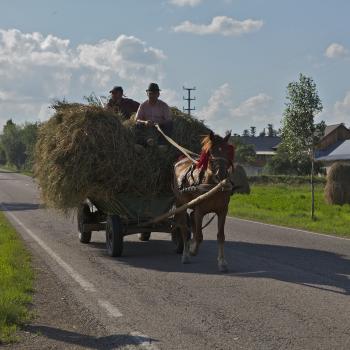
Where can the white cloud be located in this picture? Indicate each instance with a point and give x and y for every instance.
(185, 2)
(35, 69)
(171, 97)
(342, 109)
(336, 50)
(222, 25)
(221, 114)
(218, 102)
(253, 107)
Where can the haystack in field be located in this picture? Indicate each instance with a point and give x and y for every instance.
(337, 190)
(85, 151)
(239, 179)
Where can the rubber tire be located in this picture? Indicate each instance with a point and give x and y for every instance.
(83, 217)
(145, 236)
(114, 236)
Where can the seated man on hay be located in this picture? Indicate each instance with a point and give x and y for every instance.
(153, 111)
(120, 104)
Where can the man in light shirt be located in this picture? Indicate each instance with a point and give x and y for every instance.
(154, 111)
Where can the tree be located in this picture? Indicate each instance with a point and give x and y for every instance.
(245, 154)
(280, 163)
(245, 132)
(252, 131)
(12, 144)
(300, 133)
(2, 155)
(29, 134)
(271, 132)
(262, 133)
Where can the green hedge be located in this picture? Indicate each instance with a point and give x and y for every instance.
(285, 179)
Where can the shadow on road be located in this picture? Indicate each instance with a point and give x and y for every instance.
(310, 267)
(15, 206)
(88, 342)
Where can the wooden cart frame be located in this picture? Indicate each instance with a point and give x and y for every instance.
(126, 215)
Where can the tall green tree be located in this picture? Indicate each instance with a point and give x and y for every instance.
(300, 132)
(252, 131)
(271, 132)
(13, 145)
(29, 134)
(2, 154)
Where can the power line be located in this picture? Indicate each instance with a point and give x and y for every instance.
(189, 99)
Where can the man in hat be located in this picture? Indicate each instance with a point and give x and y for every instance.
(120, 104)
(154, 111)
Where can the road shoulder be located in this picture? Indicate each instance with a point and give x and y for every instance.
(60, 321)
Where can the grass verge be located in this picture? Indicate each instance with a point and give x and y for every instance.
(14, 169)
(290, 205)
(16, 282)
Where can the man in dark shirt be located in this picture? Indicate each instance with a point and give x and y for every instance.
(119, 104)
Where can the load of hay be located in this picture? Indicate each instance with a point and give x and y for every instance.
(86, 151)
(240, 182)
(337, 190)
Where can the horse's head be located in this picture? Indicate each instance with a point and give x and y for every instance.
(217, 154)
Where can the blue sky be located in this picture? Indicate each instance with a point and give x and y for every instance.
(239, 54)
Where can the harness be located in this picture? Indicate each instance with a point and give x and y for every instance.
(191, 183)
(200, 162)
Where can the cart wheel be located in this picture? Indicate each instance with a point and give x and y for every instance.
(114, 236)
(84, 214)
(145, 236)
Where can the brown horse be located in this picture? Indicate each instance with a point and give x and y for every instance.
(214, 165)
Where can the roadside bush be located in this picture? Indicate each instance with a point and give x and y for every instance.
(285, 179)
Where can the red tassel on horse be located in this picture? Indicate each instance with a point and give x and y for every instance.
(203, 161)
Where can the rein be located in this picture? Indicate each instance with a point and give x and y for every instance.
(183, 150)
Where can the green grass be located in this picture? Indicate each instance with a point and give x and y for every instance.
(16, 282)
(290, 205)
(14, 169)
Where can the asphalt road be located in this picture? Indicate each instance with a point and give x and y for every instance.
(286, 289)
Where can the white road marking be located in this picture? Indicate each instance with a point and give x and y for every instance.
(289, 228)
(247, 273)
(138, 338)
(143, 340)
(86, 285)
(111, 309)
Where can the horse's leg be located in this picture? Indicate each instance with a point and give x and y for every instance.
(181, 220)
(193, 222)
(222, 264)
(197, 232)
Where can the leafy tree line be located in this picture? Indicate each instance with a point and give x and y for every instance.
(17, 144)
(269, 131)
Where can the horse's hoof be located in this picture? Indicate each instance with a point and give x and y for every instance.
(185, 260)
(223, 268)
(193, 252)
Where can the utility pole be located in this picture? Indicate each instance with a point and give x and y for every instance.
(189, 99)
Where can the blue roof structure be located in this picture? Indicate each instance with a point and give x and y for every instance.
(262, 143)
(338, 151)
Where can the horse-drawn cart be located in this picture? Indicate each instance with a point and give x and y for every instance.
(126, 214)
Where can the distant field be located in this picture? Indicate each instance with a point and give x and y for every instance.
(16, 282)
(290, 205)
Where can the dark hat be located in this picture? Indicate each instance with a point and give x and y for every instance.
(116, 88)
(153, 87)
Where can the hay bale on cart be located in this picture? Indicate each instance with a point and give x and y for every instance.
(86, 151)
(85, 159)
